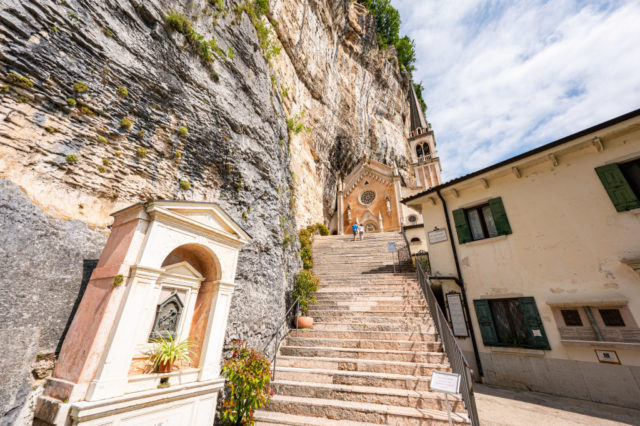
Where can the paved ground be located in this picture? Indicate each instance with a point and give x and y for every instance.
(500, 406)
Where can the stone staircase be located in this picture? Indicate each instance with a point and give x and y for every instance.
(369, 357)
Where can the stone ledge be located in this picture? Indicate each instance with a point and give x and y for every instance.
(516, 351)
(601, 344)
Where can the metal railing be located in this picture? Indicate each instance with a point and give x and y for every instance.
(456, 358)
(278, 339)
(404, 253)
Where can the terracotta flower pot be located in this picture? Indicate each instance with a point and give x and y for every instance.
(304, 322)
(165, 367)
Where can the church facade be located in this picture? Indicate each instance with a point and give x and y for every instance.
(370, 195)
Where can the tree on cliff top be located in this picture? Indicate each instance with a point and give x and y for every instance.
(388, 30)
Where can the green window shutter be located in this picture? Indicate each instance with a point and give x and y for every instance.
(462, 226)
(499, 216)
(617, 187)
(534, 323)
(485, 321)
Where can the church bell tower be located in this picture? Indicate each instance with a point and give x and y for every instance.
(422, 143)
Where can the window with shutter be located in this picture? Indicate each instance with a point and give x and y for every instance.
(483, 221)
(534, 322)
(511, 322)
(615, 183)
(500, 216)
(485, 321)
(462, 226)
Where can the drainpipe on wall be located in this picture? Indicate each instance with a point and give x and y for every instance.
(462, 287)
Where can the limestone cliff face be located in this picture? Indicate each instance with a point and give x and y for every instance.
(352, 94)
(63, 142)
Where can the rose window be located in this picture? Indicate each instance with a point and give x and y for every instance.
(367, 197)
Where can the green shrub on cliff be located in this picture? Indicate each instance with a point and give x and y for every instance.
(141, 152)
(80, 87)
(122, 91)
(258, 11)
(19, 80)
(71, 158)
(125, 123)
(180, 23)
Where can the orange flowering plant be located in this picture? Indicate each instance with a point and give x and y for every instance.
(248, 378)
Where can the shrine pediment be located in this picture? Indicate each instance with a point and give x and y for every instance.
(207, 216)
(184, 270)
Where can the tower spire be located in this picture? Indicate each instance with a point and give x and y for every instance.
(417, 116)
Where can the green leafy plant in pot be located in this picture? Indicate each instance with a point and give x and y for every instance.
(306, 285)
(248, 376)
(167, 351)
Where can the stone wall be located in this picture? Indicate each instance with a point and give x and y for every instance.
(236, 150)
(44, 265)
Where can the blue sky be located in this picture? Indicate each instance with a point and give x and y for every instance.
(502, 77)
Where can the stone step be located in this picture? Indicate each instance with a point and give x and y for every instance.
(366, 335)
(332, 313)
(264, 418)
(427, 326)
(359, 318)
(370, 354)
(401, 345)
(367, 281)
(340, 294)
(367, 287)
(369, 394)
(376, 300)
(371, 307)
(373, 366)
(373, 268)
(398, 290)
(360, 411)
(360, 378)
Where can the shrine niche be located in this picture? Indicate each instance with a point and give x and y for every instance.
(167, 317)
(178, 260)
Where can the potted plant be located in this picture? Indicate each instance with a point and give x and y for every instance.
(167, 351)
(248, 376)
(306, 286)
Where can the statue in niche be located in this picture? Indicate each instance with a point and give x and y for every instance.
(387, 201)
(167, 317)
(349, 212)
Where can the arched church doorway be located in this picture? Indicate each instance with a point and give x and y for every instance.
(370, 227)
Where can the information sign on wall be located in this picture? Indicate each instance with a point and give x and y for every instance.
(437, 236)
(458, 323)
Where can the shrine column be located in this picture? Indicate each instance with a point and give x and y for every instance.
(216, 329)
(340, 208)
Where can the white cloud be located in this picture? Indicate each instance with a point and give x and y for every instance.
(502, 77)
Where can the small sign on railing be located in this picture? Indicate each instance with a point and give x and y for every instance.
(447, 383)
